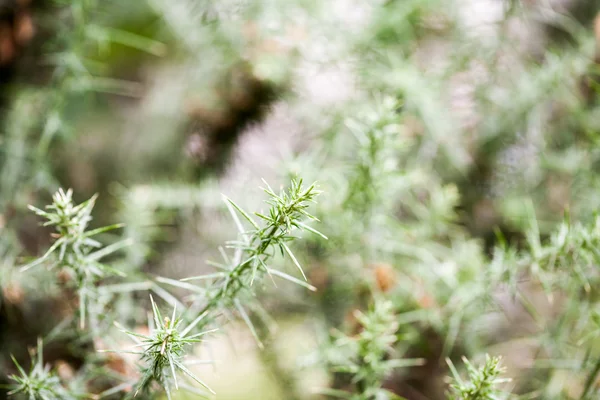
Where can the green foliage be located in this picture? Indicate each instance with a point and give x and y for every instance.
(74, 250)
(163, 350)
(450, 139)
(39, 383)
(482, 383)
(565, 260)
(366, 356)
(233, 284)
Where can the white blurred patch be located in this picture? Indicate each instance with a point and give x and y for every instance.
(480, 18)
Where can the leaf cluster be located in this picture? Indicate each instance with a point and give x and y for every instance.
(75, 250)
(482, 383)
(369, 356)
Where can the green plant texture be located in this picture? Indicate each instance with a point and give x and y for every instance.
(449, 251)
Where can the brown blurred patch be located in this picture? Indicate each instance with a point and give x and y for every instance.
(64, 370)
(385, 276)
(353, 326)
(17, 30)
(7, 46)
(318, 277)
(13, 293)
(421, 296)
(24, 29)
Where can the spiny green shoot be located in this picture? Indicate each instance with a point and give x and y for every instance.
(39, 383)
(257, 246)
(285, 214)
(163, 350)
(375, 167)
(75, 250)
(570, 253)
(482, 383)
(365, 355)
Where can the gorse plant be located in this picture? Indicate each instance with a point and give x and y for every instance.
(232, 285)
(39, 383)
(449, 136)
(566, 260)
(75, 251)
(377, 133)
(162, 352)
(482, 383)
(367, 356)
(163, 349)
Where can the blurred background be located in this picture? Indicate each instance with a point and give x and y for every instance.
(437, 131)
